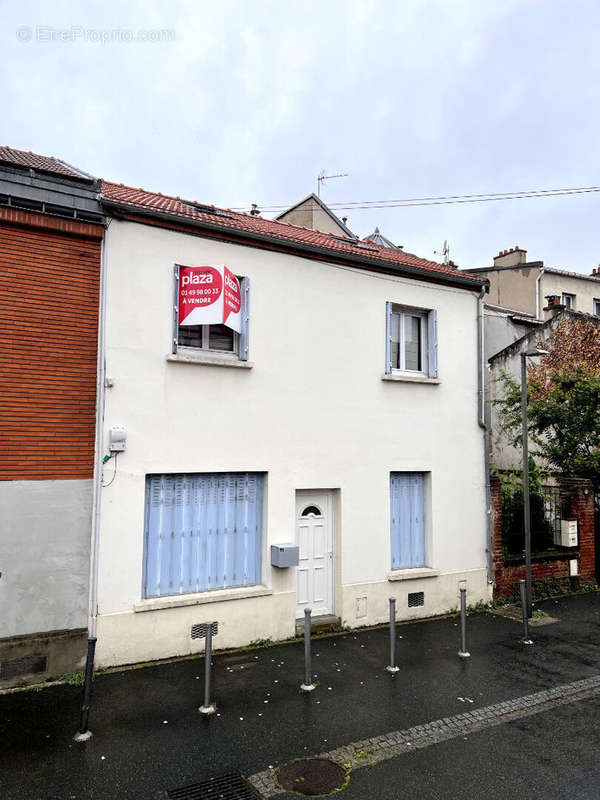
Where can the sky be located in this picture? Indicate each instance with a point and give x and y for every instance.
(234, 103)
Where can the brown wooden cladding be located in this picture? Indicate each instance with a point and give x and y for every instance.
(49, 285)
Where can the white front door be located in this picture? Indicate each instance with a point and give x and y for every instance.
(314, 535)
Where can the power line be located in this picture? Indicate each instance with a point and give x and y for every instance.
(353, 205)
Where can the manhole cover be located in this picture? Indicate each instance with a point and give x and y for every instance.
(225, 787)
(312, 776)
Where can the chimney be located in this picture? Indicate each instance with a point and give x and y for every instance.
(554, 304)
(595, 273)
(511, 258)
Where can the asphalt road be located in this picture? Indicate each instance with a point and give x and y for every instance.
(551, 755)
(148, 736)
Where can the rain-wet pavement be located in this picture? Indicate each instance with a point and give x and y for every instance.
(149, 737)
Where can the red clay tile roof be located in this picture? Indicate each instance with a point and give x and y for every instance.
(286, 234)
(140, 199)
(22, 158)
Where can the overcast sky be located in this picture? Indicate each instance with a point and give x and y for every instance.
(241, 102)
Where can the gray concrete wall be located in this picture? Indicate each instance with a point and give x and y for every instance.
(44, 555)
(512, 288)
(503, 454)
(501, 330)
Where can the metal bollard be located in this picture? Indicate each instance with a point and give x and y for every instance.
(308, 685)
(392, 665)
(463, 652)
(523, 591)
(84, 733)
(207, 708)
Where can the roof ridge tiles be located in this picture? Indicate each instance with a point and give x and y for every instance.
(280, 230)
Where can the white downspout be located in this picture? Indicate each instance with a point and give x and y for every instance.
(93, 612)
(483, 426)
(538, 303)
(83, 733)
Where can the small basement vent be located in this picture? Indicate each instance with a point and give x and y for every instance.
(225, 787)
(200, 629)
(416, 599)
(16, 667)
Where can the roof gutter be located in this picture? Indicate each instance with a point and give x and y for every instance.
(280, 244)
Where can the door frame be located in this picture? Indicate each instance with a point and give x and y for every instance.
(331, 511)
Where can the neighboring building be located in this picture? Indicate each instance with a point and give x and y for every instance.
(381, 241)
(503, 326)
(313, 213)
(329, 403)
(51, 231)
(508, 360)
(531, 288)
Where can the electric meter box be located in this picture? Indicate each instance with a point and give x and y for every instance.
(568, 532)
(117, 437)
(285, 555)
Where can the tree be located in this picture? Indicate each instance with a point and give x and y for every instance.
(563, 402)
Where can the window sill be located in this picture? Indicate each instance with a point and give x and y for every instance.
(212, 361)
(412, 574)
(409, 378)
(216, 596)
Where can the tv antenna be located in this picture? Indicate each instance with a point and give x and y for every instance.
(445, 252)
(321, 177)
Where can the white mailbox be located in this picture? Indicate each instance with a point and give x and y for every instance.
(568, 532)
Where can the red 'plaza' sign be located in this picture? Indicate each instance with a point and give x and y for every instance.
(209, 296)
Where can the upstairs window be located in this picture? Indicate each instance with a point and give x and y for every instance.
(568, 300)
(411, 341)
(597, 307)
(210, 312)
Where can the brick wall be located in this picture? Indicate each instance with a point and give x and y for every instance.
(577, 500)
(49, 283)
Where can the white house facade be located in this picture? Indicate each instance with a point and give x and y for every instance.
(339, 414)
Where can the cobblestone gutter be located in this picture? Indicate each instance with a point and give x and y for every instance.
(379, 748)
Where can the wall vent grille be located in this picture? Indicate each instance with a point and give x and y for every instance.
(416, 599)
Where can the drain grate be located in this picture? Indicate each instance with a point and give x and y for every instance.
(225, 787)
(416, 599)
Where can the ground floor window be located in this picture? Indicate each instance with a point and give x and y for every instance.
(407, 497)
(202, 531)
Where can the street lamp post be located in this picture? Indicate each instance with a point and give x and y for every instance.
(526, 503)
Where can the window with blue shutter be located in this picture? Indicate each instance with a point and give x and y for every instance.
(203, 531)
(407, 514)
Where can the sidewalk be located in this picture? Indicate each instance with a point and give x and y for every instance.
(149, 737)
